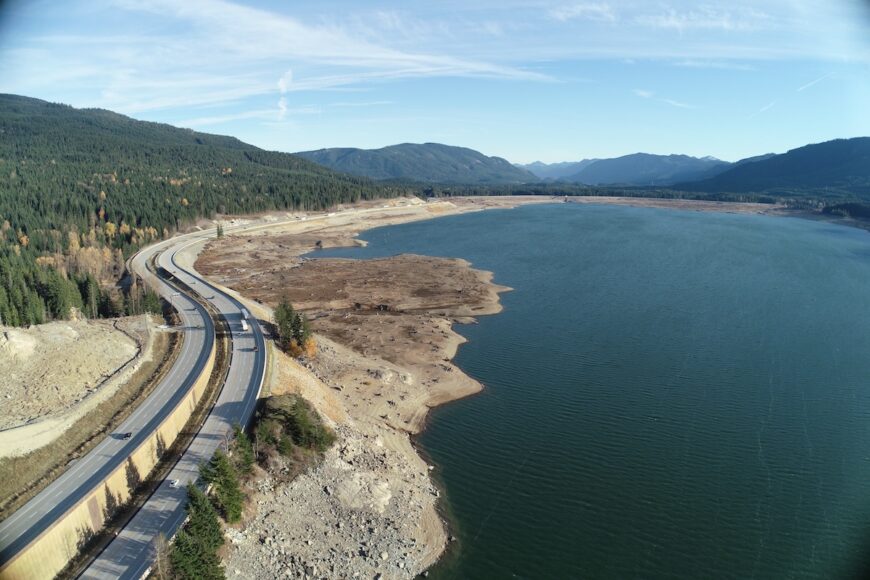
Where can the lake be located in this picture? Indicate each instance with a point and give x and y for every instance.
(668, 394)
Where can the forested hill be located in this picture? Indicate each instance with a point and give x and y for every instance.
(426, 162)
(839, 168)
(82, 188)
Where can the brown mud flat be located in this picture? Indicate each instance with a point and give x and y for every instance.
(397, 309)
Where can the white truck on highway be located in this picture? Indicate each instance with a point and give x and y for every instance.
(244, 325)
(246, 316)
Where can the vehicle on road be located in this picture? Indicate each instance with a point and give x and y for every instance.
(173, 483)
(256, 348)
(126, 436)
(245, 327)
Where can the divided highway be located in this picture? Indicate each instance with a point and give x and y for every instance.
(131, 552)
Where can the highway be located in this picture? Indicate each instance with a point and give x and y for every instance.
(130, 553)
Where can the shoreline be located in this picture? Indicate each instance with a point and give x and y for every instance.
(344, 227)
(382, 398)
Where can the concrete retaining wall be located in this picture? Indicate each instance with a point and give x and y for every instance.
(53, 549)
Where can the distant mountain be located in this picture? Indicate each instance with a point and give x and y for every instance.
(753, 159)
(556, 170)
(717, 169)
(839, 166)
(427, 162)
(646, 169)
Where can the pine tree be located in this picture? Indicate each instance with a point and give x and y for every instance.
(284, 319)
(244, 450)
(203, 521)
(192, 560)
(227, 491)
(194, 552)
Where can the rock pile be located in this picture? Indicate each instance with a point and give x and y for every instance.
(356, 515)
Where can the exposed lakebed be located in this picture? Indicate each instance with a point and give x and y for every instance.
(668, 394)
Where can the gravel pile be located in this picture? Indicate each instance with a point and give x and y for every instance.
(356, 515)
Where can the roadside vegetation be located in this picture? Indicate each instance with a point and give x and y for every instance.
(288, 437)
(293, 334)
(289, 434)
(194, 553)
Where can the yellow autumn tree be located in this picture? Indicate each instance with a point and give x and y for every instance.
(73, 239)
(310, 347)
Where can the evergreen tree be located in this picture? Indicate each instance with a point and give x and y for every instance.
(244, 450)
(284, 321)
(226, 489)
(203, 521)
(192, 560)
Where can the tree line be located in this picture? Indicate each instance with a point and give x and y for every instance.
(81, 190)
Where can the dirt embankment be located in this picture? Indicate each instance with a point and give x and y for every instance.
(55, 373)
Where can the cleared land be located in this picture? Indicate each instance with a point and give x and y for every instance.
(53, 374)
(47, 370)
(84, 408)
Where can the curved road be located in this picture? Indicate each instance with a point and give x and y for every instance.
(130, 554)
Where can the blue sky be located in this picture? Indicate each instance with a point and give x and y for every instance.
(553, 80)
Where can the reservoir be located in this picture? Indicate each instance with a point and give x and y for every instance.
(668, 394)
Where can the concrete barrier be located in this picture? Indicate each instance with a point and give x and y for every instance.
(51, 551)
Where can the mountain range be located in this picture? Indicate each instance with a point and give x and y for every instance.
(425, 162)
(81, 189)
(61, 166)
(637, 169)
(837, 167)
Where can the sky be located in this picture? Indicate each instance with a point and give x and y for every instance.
(549, 80)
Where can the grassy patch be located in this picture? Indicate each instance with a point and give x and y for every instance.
(289, 434)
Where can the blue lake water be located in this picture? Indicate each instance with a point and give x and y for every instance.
(669, 394)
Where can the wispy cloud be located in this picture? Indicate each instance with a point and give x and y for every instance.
(763, 109)
(705, 19)
(811, 83)
(678, 104)
(199, 62)
(647, 94)
(278, 114)
(598, 12)
(715, 64)
(342, 104)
